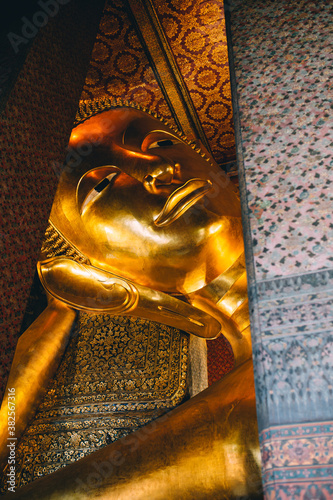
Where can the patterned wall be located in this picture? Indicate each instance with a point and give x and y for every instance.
(285, 89)
(282, 57)
(196, 33)
(220, 359)
(35, 127)
(119, 67)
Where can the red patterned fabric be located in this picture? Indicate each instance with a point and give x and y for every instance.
(220, 359)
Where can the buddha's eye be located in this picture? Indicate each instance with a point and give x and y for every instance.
(157, 139)
(105, 182)
(97, 189)
(163, 143)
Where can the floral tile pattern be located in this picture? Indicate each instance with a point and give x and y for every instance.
(283, 58)
(119, 67)
(293, 358)
(294, 382)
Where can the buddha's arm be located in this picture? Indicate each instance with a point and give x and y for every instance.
(225, 299)
(88, 288)
(36, 359)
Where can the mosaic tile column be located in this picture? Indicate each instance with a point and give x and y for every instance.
(35, 125)
(282, 74)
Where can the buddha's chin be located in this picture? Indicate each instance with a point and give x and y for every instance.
(181, 281)
(183, 263)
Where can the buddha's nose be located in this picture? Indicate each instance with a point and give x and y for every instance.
(163, 175)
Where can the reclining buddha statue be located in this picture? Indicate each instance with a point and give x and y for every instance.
(143, 249)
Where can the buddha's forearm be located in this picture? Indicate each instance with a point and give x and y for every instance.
(225, 299)
(236, 332)
(36, 359)
(87, 288)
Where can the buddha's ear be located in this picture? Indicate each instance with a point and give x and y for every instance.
(88, 288)
(85, 287)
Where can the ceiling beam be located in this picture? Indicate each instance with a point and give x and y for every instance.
(168, 76)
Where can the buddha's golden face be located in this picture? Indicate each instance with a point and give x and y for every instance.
(144, 205)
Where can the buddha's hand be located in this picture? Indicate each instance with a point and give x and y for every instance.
(85, 287)
(88, 288)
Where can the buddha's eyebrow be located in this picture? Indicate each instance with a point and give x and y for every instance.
(135, 133)
(139, 129)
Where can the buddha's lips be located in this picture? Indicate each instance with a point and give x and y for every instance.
(181, 200)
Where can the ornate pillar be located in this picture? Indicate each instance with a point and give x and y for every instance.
(281, 54)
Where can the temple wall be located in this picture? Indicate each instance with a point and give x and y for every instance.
(35, 122)
(281, 58)
(282, 55)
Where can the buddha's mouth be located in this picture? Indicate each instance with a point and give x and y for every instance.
(181, 200)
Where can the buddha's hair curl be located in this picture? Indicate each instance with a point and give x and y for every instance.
(89, 108)
(56, 245)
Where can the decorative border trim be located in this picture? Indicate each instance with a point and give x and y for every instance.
(297, 453)
(310, 282)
